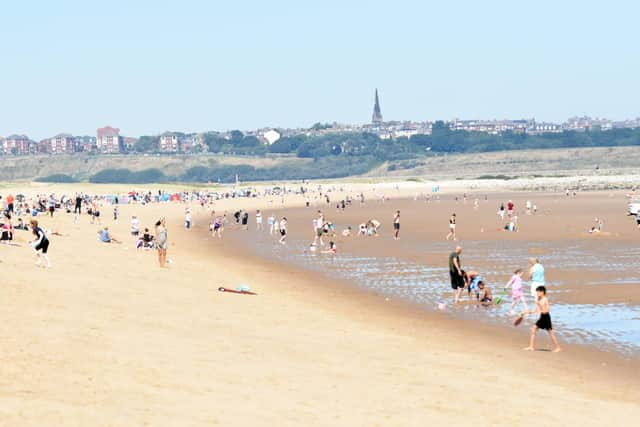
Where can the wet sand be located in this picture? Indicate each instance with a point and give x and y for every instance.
(610, 274)
(107, 338)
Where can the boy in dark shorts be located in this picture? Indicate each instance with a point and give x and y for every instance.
(544, 321)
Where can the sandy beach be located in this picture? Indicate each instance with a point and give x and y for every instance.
(107, 338)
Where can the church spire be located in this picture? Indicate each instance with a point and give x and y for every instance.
(377, 113)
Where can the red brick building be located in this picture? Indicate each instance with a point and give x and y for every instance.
(109, 140)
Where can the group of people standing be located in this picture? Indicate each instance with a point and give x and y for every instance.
(473, 283)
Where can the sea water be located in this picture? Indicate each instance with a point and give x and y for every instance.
(608, 326)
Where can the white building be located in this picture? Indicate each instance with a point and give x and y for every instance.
(108, 140)
(271, 136)
(168, 143)
(62, 143)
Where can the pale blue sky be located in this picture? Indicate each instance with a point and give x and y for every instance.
(72, 66)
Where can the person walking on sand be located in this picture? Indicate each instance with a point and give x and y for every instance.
(271, 222)
(10, 200)
(40, 243)
(501, 212)
(283, 231)
(396, 225)
(187, 219)
(455, 273)
(162, 242)
(77, 209)
(452, 228)
(259, 220)
(536, 275)
(544, 321)
(516, 291)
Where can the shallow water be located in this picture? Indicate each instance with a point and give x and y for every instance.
(610, 326)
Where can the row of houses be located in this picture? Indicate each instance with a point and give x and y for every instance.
(399, 129)
(107, 140)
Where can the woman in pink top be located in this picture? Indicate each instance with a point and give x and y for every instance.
(516, 291)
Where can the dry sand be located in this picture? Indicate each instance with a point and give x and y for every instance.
(106, 338)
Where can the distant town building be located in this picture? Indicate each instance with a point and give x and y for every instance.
(62, 143)
(128, 143)
(108, 140)
(270, 136)
(18, 145)
(493, 127)
(168, 143)
(629, 124)
(86, 144)
(377, 112)
(198, 144)
(536, 128)
(585, 123)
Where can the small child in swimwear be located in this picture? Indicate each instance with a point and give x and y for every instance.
(485, 293)
(516, 291)
(544, 321)
(332, 249)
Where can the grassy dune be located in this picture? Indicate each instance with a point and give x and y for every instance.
(82, 166)
(558, 162)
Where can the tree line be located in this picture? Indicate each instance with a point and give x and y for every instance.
(441, 140)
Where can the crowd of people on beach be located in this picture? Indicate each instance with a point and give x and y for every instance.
(22, 214)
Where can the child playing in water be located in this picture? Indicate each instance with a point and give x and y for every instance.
(485, 293)
(332, 249)
(544, 321)
(516, 291)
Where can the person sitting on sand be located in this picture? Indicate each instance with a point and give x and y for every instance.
(598, 227)
(7, 229)
(346, 232)
(146, 241)
(332, 249)
(510, 226)
(373, 225)
(106, 237)
(21, 225)
(362, 229)
(485, 293)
